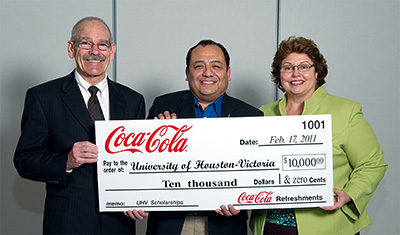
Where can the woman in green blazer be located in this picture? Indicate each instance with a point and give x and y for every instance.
(299, 69)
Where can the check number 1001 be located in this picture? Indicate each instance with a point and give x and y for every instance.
(313, 124)
(303, 162)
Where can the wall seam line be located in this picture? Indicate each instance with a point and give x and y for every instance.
(114, 32)
(278, 26)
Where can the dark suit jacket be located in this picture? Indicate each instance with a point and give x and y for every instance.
(182, 103)
(54, 118)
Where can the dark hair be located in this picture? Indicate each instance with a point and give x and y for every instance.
(88, 18)
(206, 43)
(299, 45)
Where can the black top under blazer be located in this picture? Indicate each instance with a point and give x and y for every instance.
(54, 118)
(182, 104)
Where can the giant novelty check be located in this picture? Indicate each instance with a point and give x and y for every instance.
(200, 164)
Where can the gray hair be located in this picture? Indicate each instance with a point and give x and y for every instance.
(88, 18)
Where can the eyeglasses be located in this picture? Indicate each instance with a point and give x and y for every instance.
(87, 45)
(303, 67)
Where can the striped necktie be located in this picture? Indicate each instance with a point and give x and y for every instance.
(94, 105)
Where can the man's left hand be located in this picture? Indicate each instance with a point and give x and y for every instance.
(230, 211)
(136, 214)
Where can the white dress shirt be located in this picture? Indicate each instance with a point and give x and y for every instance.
(102, 94)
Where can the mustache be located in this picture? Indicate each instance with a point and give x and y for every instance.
(94, 57)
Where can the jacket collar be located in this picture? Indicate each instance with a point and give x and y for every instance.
(73, 99)
(186, 106)
(313, 101)
(117, 102)
(229, 106)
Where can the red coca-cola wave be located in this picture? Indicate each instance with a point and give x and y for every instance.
(261, 197)
(152, 141)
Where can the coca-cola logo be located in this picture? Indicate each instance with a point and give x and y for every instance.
(261, 197)
(159, 140)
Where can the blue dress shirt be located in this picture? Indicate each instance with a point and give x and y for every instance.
(213, 110)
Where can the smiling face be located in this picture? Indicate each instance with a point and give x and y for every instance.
(207, 74)
(298, 84)
(92, 63)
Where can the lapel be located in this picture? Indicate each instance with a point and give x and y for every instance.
(73, 99)
(186, 106)
(228, 107)
(117, 103)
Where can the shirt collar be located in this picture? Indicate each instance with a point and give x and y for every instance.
(85, 85)
(216, 106)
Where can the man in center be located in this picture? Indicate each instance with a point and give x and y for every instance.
(208, 74)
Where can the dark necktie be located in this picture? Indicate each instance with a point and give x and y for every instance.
(94, 105)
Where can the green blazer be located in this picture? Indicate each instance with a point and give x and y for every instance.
(358, 166)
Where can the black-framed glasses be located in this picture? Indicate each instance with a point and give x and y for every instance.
(303, 67)
(87, 45)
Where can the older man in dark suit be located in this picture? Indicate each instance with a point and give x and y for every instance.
(57, 143)
(208, 74)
